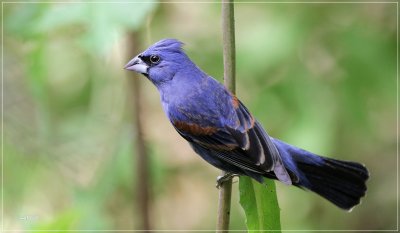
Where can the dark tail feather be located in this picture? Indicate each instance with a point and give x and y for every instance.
(341, 182)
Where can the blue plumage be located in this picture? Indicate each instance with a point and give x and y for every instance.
(224, 133)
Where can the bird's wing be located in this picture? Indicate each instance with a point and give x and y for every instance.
(257, 144)
(243, 143)
(220, 142)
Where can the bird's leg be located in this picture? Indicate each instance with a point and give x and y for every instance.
(224, 178)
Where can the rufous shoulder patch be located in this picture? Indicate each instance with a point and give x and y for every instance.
(194, 129)
(235, 101)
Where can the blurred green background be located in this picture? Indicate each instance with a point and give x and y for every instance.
(319, 76)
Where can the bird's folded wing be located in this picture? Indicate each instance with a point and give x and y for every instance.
(226, 148)
(257, 144)
(243, 143)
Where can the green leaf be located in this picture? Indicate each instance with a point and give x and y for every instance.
(260, 205)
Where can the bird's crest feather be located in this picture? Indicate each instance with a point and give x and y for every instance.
(171, 45)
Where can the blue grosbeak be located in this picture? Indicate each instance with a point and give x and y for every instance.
(224, 133)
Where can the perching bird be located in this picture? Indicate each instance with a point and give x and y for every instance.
(224, 133)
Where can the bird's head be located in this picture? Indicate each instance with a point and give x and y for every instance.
(161, 61)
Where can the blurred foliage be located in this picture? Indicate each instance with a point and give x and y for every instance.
(319, 76)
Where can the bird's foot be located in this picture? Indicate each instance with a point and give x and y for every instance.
(224, 178)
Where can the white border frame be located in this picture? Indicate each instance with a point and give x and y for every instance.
(175, 2)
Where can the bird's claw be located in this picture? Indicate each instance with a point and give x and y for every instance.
(224, 178)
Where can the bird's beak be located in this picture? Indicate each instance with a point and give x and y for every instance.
(137, 65)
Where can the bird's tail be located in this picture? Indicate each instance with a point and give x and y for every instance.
(340, 182)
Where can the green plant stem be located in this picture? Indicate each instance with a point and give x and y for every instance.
(228, 37)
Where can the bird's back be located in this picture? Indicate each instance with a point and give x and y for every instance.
(196, 104)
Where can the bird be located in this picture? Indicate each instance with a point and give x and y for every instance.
(220, 129)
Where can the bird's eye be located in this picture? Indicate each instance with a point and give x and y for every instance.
(154, 59)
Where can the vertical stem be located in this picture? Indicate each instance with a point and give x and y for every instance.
(224, 205)
(140, 155)
(228, 37)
